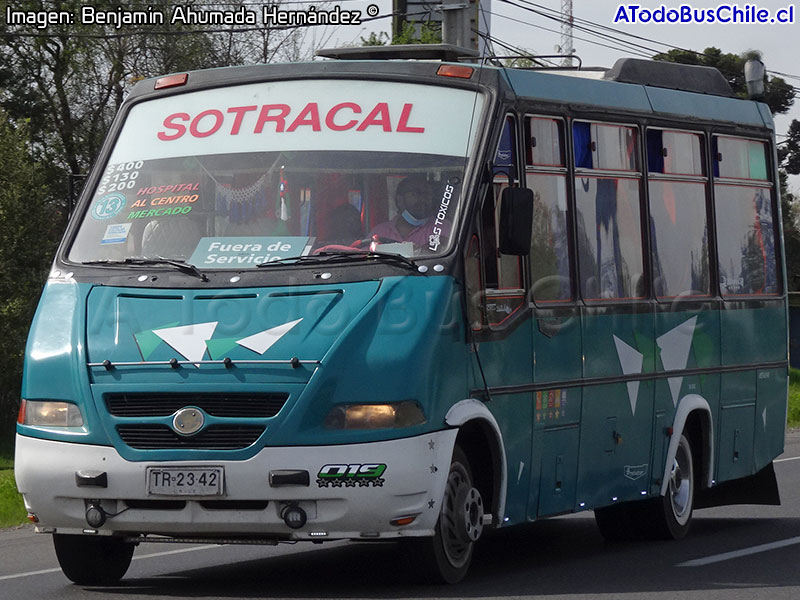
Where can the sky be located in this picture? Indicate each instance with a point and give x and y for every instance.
(514, 25)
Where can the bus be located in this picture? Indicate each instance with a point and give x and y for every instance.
(409, 300)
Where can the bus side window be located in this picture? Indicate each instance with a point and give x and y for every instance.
(546, 176)
(607, 199)
(495, 283)
(678, 186)
(503, 279)
(744, 211)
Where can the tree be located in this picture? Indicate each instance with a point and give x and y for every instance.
(424, 33)
(779, 94)
(779, 97)
(28, 236)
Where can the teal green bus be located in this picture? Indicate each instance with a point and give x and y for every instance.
(411, 301)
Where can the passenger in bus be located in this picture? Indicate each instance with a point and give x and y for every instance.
(417, 205)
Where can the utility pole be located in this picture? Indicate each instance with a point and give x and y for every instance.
(566, 47)
(455, 23)
(464, 22)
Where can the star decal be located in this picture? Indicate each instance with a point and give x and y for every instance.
(350, 483)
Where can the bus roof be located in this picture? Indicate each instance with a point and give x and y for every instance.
(552, 86)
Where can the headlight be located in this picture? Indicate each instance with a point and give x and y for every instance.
(47, 413)
(375, 416)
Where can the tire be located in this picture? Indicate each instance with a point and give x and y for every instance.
(92, 560)
(667, 517)
(446, 557)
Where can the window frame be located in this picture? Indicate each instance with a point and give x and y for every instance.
(644, 238)
(706, 180)
(555, 171)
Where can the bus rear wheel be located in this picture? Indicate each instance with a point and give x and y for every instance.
(445, 558)
(92, 560)
(664, 518)
(669, 516)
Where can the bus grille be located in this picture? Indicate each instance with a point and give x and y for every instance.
(252, 406)
(215, 437)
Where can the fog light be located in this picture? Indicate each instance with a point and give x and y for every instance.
(294, 516)
(95, 516)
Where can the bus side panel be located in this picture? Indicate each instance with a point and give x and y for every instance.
(736, 426)
(770, 415)
(513, 415)
(615, 444)
(753, 335)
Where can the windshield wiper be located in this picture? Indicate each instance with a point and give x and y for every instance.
(180, 265)
(324, 257)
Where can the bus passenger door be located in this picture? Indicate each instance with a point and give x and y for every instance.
(556, 324)
(499, 318)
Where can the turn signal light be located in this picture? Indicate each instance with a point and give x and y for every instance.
(460, 71)
(171, 81)
(21, 415)
(400, 521)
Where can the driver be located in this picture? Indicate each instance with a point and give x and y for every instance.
(417, 207)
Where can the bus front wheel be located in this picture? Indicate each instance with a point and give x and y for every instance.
(92, 560)
(445, 558)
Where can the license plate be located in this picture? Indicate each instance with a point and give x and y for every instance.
(185, 481)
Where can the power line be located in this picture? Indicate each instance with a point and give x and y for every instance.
(618, 48)
(556, 17)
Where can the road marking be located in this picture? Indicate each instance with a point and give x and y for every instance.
(708, 560)
(785, 459)
(154, 555)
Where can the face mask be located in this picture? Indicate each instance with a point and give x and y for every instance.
(411, 219)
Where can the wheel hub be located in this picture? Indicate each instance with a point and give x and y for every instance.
(470, 503)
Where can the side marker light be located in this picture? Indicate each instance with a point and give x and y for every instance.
(458, 71)
(171, 81)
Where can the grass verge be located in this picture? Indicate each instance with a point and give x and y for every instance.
(12, 510)
(794, 398)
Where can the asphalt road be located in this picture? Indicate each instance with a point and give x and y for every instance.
(732, 553)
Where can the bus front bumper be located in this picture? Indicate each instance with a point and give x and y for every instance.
(342, 499)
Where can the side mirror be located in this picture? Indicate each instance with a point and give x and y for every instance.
(516, 221)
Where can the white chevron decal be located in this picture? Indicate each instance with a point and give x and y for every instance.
(630, 360)
(188, 340)
(675, 346)
(264, 340)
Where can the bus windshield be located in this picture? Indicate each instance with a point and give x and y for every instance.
(229, 178)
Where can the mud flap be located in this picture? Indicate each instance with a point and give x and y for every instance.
(761, 488)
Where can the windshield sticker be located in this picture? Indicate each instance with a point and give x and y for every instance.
(168, 189)
(118, 177)
(116, 233)
(162, 200)
(160, 212)
(108, 206)
(435, 239)
(246, 252)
